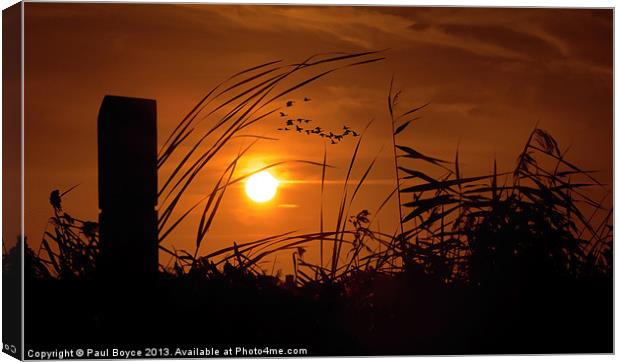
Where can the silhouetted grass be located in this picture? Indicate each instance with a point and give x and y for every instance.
(502, 232)
(451, 227)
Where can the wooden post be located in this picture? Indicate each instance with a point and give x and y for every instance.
(127, 139)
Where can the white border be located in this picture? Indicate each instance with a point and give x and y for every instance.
(478, 3)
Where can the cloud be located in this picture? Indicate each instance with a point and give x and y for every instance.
(489, 74)
(502, 33)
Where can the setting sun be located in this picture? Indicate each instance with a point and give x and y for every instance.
(261, 187)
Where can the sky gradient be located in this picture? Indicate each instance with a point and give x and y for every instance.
(490, 76)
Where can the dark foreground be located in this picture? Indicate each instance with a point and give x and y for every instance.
(368, 315)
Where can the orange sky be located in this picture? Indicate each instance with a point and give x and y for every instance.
(490, 75)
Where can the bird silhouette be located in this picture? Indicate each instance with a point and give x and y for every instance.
(282, 114)
(290, 103)
(306, 99)
(298, 123)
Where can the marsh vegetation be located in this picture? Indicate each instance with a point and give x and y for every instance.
(515, 261)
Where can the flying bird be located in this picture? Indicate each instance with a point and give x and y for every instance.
(290, 103)
(289, 122)
(306, 99)
(282, 114)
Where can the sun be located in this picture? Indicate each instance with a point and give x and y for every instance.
(261, 187)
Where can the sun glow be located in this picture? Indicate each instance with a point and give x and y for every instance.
(261, 187)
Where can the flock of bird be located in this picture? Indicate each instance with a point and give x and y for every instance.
(302, 126)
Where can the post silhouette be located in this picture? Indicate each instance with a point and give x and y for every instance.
(127, 147)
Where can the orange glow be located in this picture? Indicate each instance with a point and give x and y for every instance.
(261, 187)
